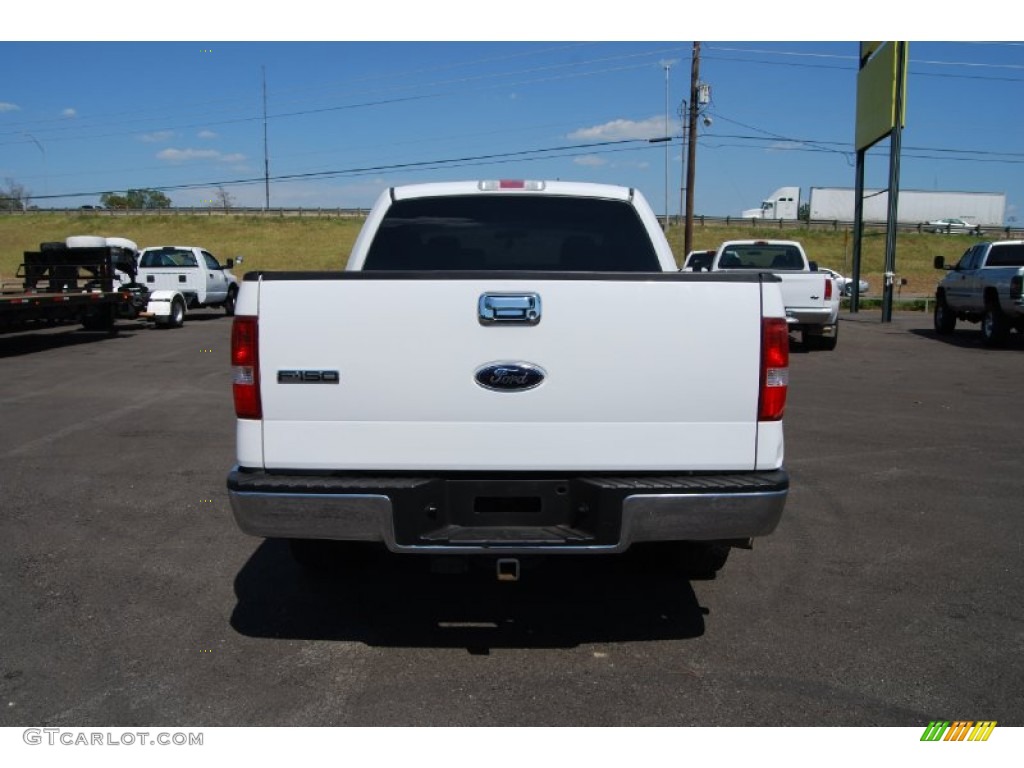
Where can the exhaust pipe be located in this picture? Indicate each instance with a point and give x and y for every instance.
(508, 569)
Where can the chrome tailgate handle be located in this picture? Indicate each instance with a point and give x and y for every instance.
(509, 308)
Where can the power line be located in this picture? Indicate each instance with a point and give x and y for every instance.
(542, 153)
(63, 126)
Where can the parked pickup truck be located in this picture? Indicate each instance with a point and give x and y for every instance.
(985, 285)
(184, 277)
(811, 297)
(509, 369)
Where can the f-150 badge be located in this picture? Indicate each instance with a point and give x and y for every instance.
(509, 377)
(308, 377)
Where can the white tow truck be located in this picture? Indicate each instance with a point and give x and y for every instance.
(509, 369)
(182, 278)
(811, 296)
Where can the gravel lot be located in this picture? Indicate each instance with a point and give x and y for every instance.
(891, 593)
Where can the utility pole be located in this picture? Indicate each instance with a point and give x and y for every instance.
(266, 156)
(667, 65)
(684, 117)
(691, 148)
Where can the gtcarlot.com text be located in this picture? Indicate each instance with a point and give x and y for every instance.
(74, 738)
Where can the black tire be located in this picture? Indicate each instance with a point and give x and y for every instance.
(229, 302)
(994, 328)
(177, 316)
(102, 320)
(945, 318)
(828, 343)
(817, 341)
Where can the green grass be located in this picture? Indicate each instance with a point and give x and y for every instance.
(267, 242)
(311, 242)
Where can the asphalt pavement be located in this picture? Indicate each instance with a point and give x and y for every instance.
(890, 594)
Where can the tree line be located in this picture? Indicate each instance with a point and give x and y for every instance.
(16, 197)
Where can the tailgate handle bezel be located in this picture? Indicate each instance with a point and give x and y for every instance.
(509, 309)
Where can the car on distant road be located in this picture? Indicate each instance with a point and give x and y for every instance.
(845, 284)
(951, 225)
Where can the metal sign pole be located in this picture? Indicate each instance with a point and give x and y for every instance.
(895, 138)
(858, 229)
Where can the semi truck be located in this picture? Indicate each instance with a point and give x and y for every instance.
(978, 209)
(783, 203)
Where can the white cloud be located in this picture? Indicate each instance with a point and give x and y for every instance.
(156, 136)
(6, 106)
(590, 160)
(652, 127)
(206, 135)
(173, 155)
(70, 112)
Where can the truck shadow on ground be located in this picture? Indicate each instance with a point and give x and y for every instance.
(29, 342)
(402, 601)
(969, 338)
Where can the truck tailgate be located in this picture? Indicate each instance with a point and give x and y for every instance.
(804, 290)
(378, 371)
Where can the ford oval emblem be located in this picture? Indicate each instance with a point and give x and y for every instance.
(509, 377)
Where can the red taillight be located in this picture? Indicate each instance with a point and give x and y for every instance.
(828, 289)
(774, 369)
(245, 367)
(496, 185)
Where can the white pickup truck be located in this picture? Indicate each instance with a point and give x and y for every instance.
(184, 277)
(509, 369)
(811, 297)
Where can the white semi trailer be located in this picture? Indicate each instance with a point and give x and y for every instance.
(982, 209)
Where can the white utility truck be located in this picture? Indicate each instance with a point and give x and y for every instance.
(811, 297)
(507, 369)
(184, 277)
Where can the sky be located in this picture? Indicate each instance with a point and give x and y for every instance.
(93, 111)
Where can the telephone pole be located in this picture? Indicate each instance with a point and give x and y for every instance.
(691, 148)
(266, 156)
(666, 65)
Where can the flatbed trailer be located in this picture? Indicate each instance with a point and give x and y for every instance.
(62, 284)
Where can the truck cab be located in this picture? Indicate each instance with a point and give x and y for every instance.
(783, 203)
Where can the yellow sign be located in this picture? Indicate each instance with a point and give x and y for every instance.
(876, 93)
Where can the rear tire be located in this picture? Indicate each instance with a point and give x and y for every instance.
(817, 341)
(177, 316)
(229, 302)
(102, 320)
(994, 328)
